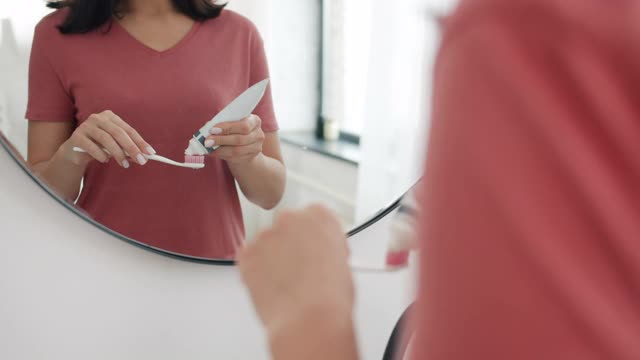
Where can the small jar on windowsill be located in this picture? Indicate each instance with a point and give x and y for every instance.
(331, 130)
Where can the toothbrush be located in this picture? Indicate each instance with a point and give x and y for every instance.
(238, 109)
(371, 267)
(191, 162)
(403, 241)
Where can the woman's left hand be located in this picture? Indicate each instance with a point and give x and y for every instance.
(240, 141)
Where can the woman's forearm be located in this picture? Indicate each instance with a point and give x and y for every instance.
(318, 335)
(63, 176)
(262, 180)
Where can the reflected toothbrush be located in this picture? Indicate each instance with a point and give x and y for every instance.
(194, 162)
(403, 240)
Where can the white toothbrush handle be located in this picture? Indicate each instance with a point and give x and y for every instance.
(157, 158)
(81, 150)
(167, 161)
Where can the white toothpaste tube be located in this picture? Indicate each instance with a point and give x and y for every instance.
(238, 109)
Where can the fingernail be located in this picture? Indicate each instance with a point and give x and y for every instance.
(151, 151)
(125, 164)
(141, 159)
(215, 131)
(209, 143)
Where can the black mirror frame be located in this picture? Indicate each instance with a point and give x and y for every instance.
(6, 145)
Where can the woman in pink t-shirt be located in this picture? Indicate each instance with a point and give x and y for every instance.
(530, 239)
(139, 77)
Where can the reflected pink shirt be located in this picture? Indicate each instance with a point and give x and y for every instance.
(166, 96)
(531, 237)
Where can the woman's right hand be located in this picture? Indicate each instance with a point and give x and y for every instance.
(107, 130)
(300, 282)
(298, 265)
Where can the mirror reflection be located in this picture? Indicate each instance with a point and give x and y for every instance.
(188, 125)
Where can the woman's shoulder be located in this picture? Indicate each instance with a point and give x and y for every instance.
(47, 27)
(594, 19)
(235, 21)
(562, 11)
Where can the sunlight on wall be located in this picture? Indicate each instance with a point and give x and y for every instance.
(19, 19)
(24, 15)
(396, 98)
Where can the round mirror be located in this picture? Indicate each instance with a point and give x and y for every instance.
(314, 103)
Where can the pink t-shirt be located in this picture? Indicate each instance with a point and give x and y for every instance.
(166, 96)
(531, 237)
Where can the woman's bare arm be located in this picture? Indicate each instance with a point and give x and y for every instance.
(46, 159)
(51, 155)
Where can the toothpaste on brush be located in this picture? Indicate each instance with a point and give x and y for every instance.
(238, 109)
(403, 232)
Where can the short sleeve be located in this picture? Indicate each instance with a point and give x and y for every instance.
(48, 99)
(259, 70)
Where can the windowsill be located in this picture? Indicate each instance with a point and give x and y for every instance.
(340, 149)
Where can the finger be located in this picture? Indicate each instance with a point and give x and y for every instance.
(329, 221)
(106, 141)
(256, 136)
(240, 127)
(236, 152)
(255, 121)
(286, 217)
(92, 149)
(323, 213)
(125, 142)
(246, 257)
(243, 259)
(133, 134)
(229, 140)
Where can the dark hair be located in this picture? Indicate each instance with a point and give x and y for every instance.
(87, 15)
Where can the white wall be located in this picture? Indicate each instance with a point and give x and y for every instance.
(24, 15)
(13, 86)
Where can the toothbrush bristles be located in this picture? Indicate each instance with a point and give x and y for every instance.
(194, 159)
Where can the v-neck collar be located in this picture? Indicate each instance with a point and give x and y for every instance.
(194, 28)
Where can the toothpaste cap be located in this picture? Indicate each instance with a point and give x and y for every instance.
(195, 148)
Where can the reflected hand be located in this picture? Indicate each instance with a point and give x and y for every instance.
(298, 269)
(240, 141)
(107, 130)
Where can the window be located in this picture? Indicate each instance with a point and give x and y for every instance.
(346, 40)
(348, 48)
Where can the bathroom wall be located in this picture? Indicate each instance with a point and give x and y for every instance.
(24, 14)
(13, 86)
